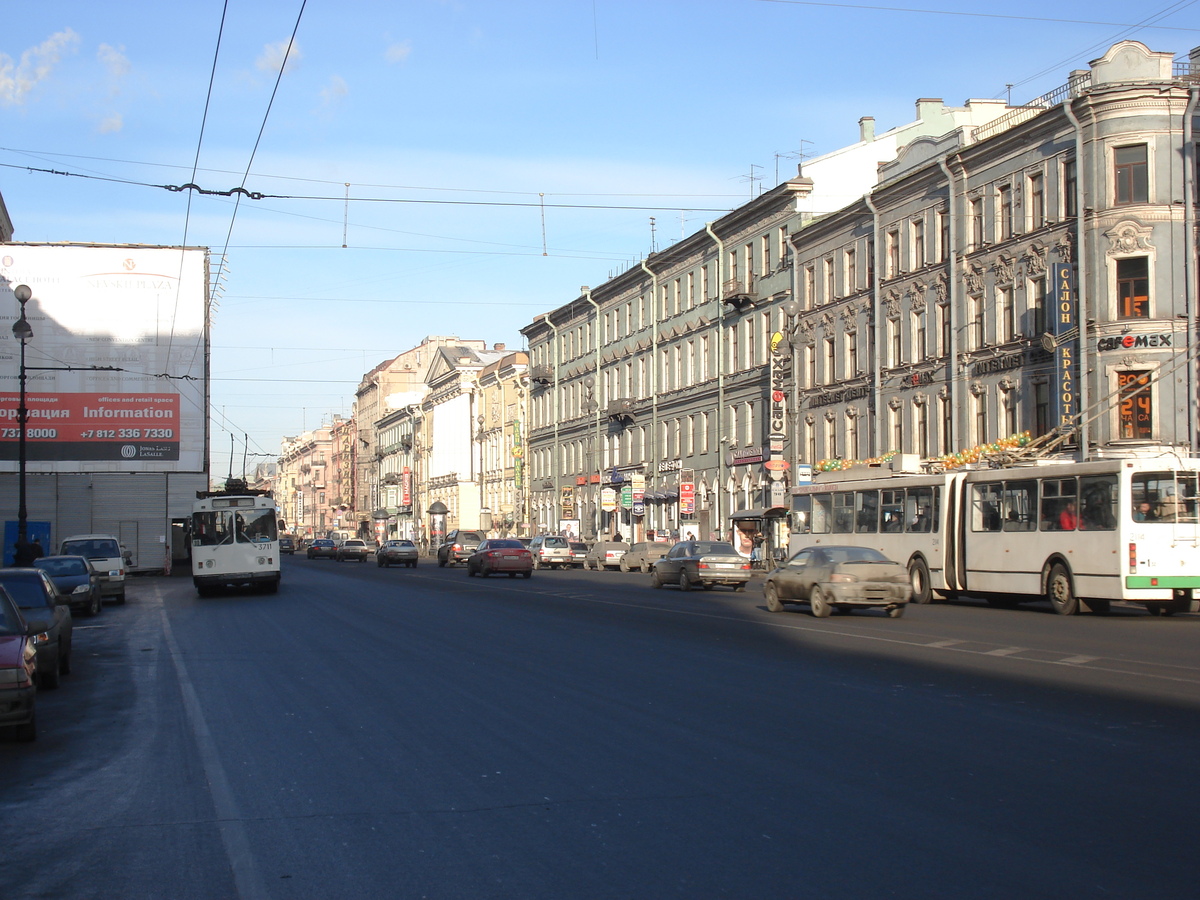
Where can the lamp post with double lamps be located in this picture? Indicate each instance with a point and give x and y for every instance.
(22, 332)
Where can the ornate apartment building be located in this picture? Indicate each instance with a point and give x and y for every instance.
(1010, 269)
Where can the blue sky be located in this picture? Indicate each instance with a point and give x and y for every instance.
(487, 109)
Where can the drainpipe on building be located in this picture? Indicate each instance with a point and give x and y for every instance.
(1189, 254)
(877, 323)
(1081, 287)
(556, 459)
(952, 349)
(587, 295)
(720, 486)
(653, 368)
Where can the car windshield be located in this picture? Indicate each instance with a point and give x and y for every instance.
(714, 548)
(93, 548)
(62, 565)
(27, 589)
(10, 619)
(853, 554)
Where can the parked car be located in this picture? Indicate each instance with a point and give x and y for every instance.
(322, 548)
(49, 620)
(287, 545)
(842, 578)
(397, 553)
(501, 555)
(18, 671)
(643, 555)
(107, 557)
(703, 564)
(354, 549)
(458, 547)
(550, 551)
(605, 555)
(74, 578)
(579, 552)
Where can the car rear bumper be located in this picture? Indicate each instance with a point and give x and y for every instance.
(857, 595)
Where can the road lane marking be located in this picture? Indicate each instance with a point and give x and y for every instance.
(1003, 651)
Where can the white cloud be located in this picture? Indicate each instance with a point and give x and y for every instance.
(273, 56)
(18, 79)
(334, 91)
(111, 124)
(398, 52)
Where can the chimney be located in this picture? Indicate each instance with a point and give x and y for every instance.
(498, 347)
(866, 129)
(928, 107)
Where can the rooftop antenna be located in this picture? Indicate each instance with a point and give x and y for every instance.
(245, 453)
(230, 477)
(653, 245)
(753, 178)
(1008, 91)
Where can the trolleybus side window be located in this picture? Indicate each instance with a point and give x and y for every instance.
(867, 512)
(985, 507)
(922, 509)
(892, 507)
(1098, 502)
(843, 513)
(1164, 497)
(1020, 505)
(1060, 508)
(822, 513)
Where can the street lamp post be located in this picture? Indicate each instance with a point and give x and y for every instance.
(22, 332)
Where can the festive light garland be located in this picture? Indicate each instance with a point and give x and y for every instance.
(949, 461)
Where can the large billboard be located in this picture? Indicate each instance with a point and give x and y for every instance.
(117, 368)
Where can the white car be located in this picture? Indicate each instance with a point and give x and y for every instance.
(107, 557)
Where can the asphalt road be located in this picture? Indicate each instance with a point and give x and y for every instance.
(417, 733)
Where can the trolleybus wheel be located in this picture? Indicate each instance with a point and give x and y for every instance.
(1059, 591)
(918, 576)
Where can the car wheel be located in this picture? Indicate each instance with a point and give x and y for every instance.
(95, 606)
(27, 732)
(512, 574)
(646, 567)
(685, 583)
(537, 563)
(121, 597)
(896, 612)
(821, 607)
(64, 662)
(623, 566)
(527, 573)
(771, 593)
(1059, 591)
(470, 571)
(49, 679)
(413, 564)
(740, 587)
(655, 579)
(441, 563)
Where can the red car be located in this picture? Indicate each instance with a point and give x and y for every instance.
(501, 555)
(18, 665)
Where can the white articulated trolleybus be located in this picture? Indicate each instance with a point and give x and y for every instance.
(1120, 527)
(235, 539)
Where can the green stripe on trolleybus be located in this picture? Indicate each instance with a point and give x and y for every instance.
(1162, 581)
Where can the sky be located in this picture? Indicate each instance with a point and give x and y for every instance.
(453, 167)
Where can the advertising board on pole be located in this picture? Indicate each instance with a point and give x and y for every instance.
(118, 362)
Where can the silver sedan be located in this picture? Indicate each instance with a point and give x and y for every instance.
(402, 553)
(702, 564)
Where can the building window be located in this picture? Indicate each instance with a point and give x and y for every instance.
(851, 273)
(981, 419)
(1036, 207)
(891, 244)
(705, 368)
(830, 361)
(947, 420)
(898, 430)
(895, 336)
(1135, 408)
(918, 243)
(830, 286)
(943, 329)
(703, 432)
(749, 265)
(1005, 204)
(766, 254)
(1041, 409)
(1037, 311)
(976, 332)
(851, 354)
(976, 223)
(1009, 402)
(1133, 288)
(943, 235)
(810, 286)
(1008, 313)
(1132, 174)
(811, 441)
(810, 365)
(920, 345)
(922, 427)
(852, 439)
(831, 441)
(1070, 188)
